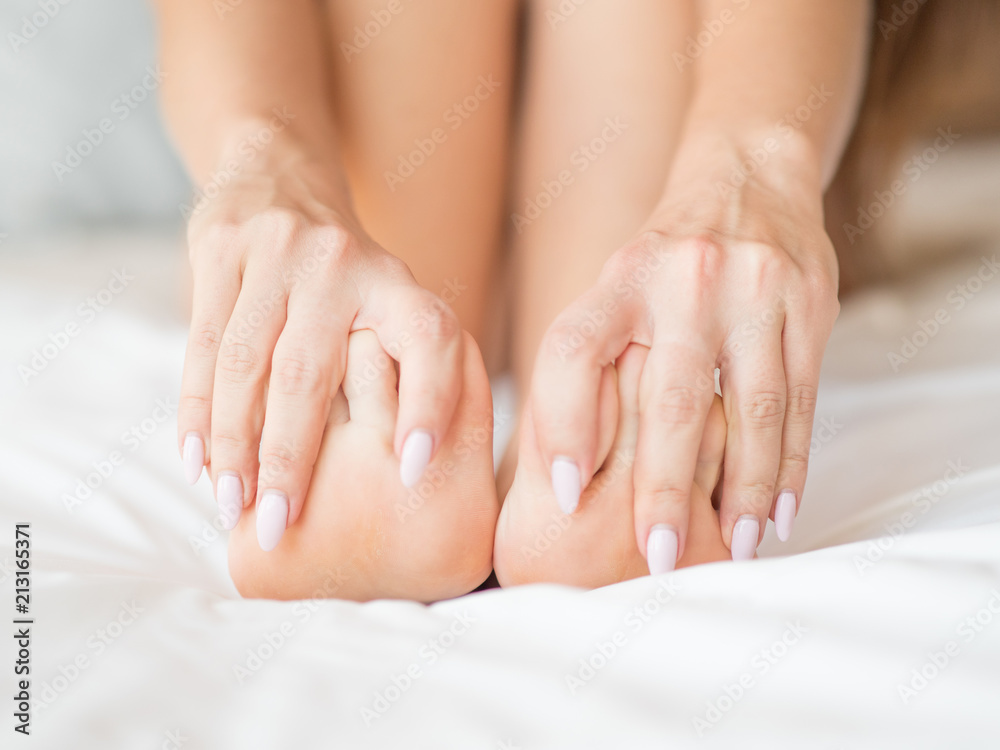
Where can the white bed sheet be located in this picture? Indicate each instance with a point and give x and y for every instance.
(821, 639)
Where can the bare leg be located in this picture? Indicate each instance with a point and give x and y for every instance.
(603, 103)
(603, 106)
(424, 110)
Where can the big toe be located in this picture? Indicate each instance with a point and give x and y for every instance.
(370, 383)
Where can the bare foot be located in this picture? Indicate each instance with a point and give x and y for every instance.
(362, 535)
(596, 546)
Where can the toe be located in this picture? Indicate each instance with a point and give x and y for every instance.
(713, 448)
(629, 366)
(704, 541)
(607, 403)
(370, 383)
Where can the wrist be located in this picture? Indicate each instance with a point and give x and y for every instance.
(751, 185)
(722, 160)
(272, 148)
(259, 165)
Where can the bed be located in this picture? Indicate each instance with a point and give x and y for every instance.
(877, 625)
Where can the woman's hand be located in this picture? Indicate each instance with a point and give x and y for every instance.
(731, 272)
(282, 274)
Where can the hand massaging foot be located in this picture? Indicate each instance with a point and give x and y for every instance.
(596, 545)
(362, 535)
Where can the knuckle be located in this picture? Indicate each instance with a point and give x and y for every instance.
(191, 403)
(756, 496)
(801, 401)
(441, 323)
(651, 241)
(212, 242)
(703, 257)
(577, 332)
(819, 290)
(205, 340)
(796, 461)
(765, 256)
(297, 373)
(618, 265)
(238, 362)
(331, 248)
(658, 495)
(646, 250)
(764, 410)
(282, 225)
(387, 265)
(277, 461)
(678, 405)
(228, 443)
(767, 266)
(433, 403)
(562, 339)
(335, 239)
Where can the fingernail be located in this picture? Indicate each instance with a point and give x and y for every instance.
(194, 456)
(784, 514)
(566, 483)
(745, 534)
(272, 518)
(661, 549)
(229, 496)
(415, 456)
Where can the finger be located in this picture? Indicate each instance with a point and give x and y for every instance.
(215, 294)
(754, 395)
(712, 450)
(803, 354)
(566, 388)
(238, 394)
(420, 331)
(676, 391)
(306, 369)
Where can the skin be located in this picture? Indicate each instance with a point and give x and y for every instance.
(741, 274)
(596, 545)
(737, 275)
(288, 238)
(362, 535)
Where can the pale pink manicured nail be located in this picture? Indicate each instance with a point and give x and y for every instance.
(194, 456)
(566, 483)
(745, 534)
(272, 518)
(661, 549)
(415, 456)
(229, 496)
(784, 514)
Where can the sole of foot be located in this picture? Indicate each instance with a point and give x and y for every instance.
(362, 535)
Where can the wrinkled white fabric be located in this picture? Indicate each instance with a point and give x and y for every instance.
(807, 648)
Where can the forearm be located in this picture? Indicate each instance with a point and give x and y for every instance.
(229, 78)
(779, 85)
